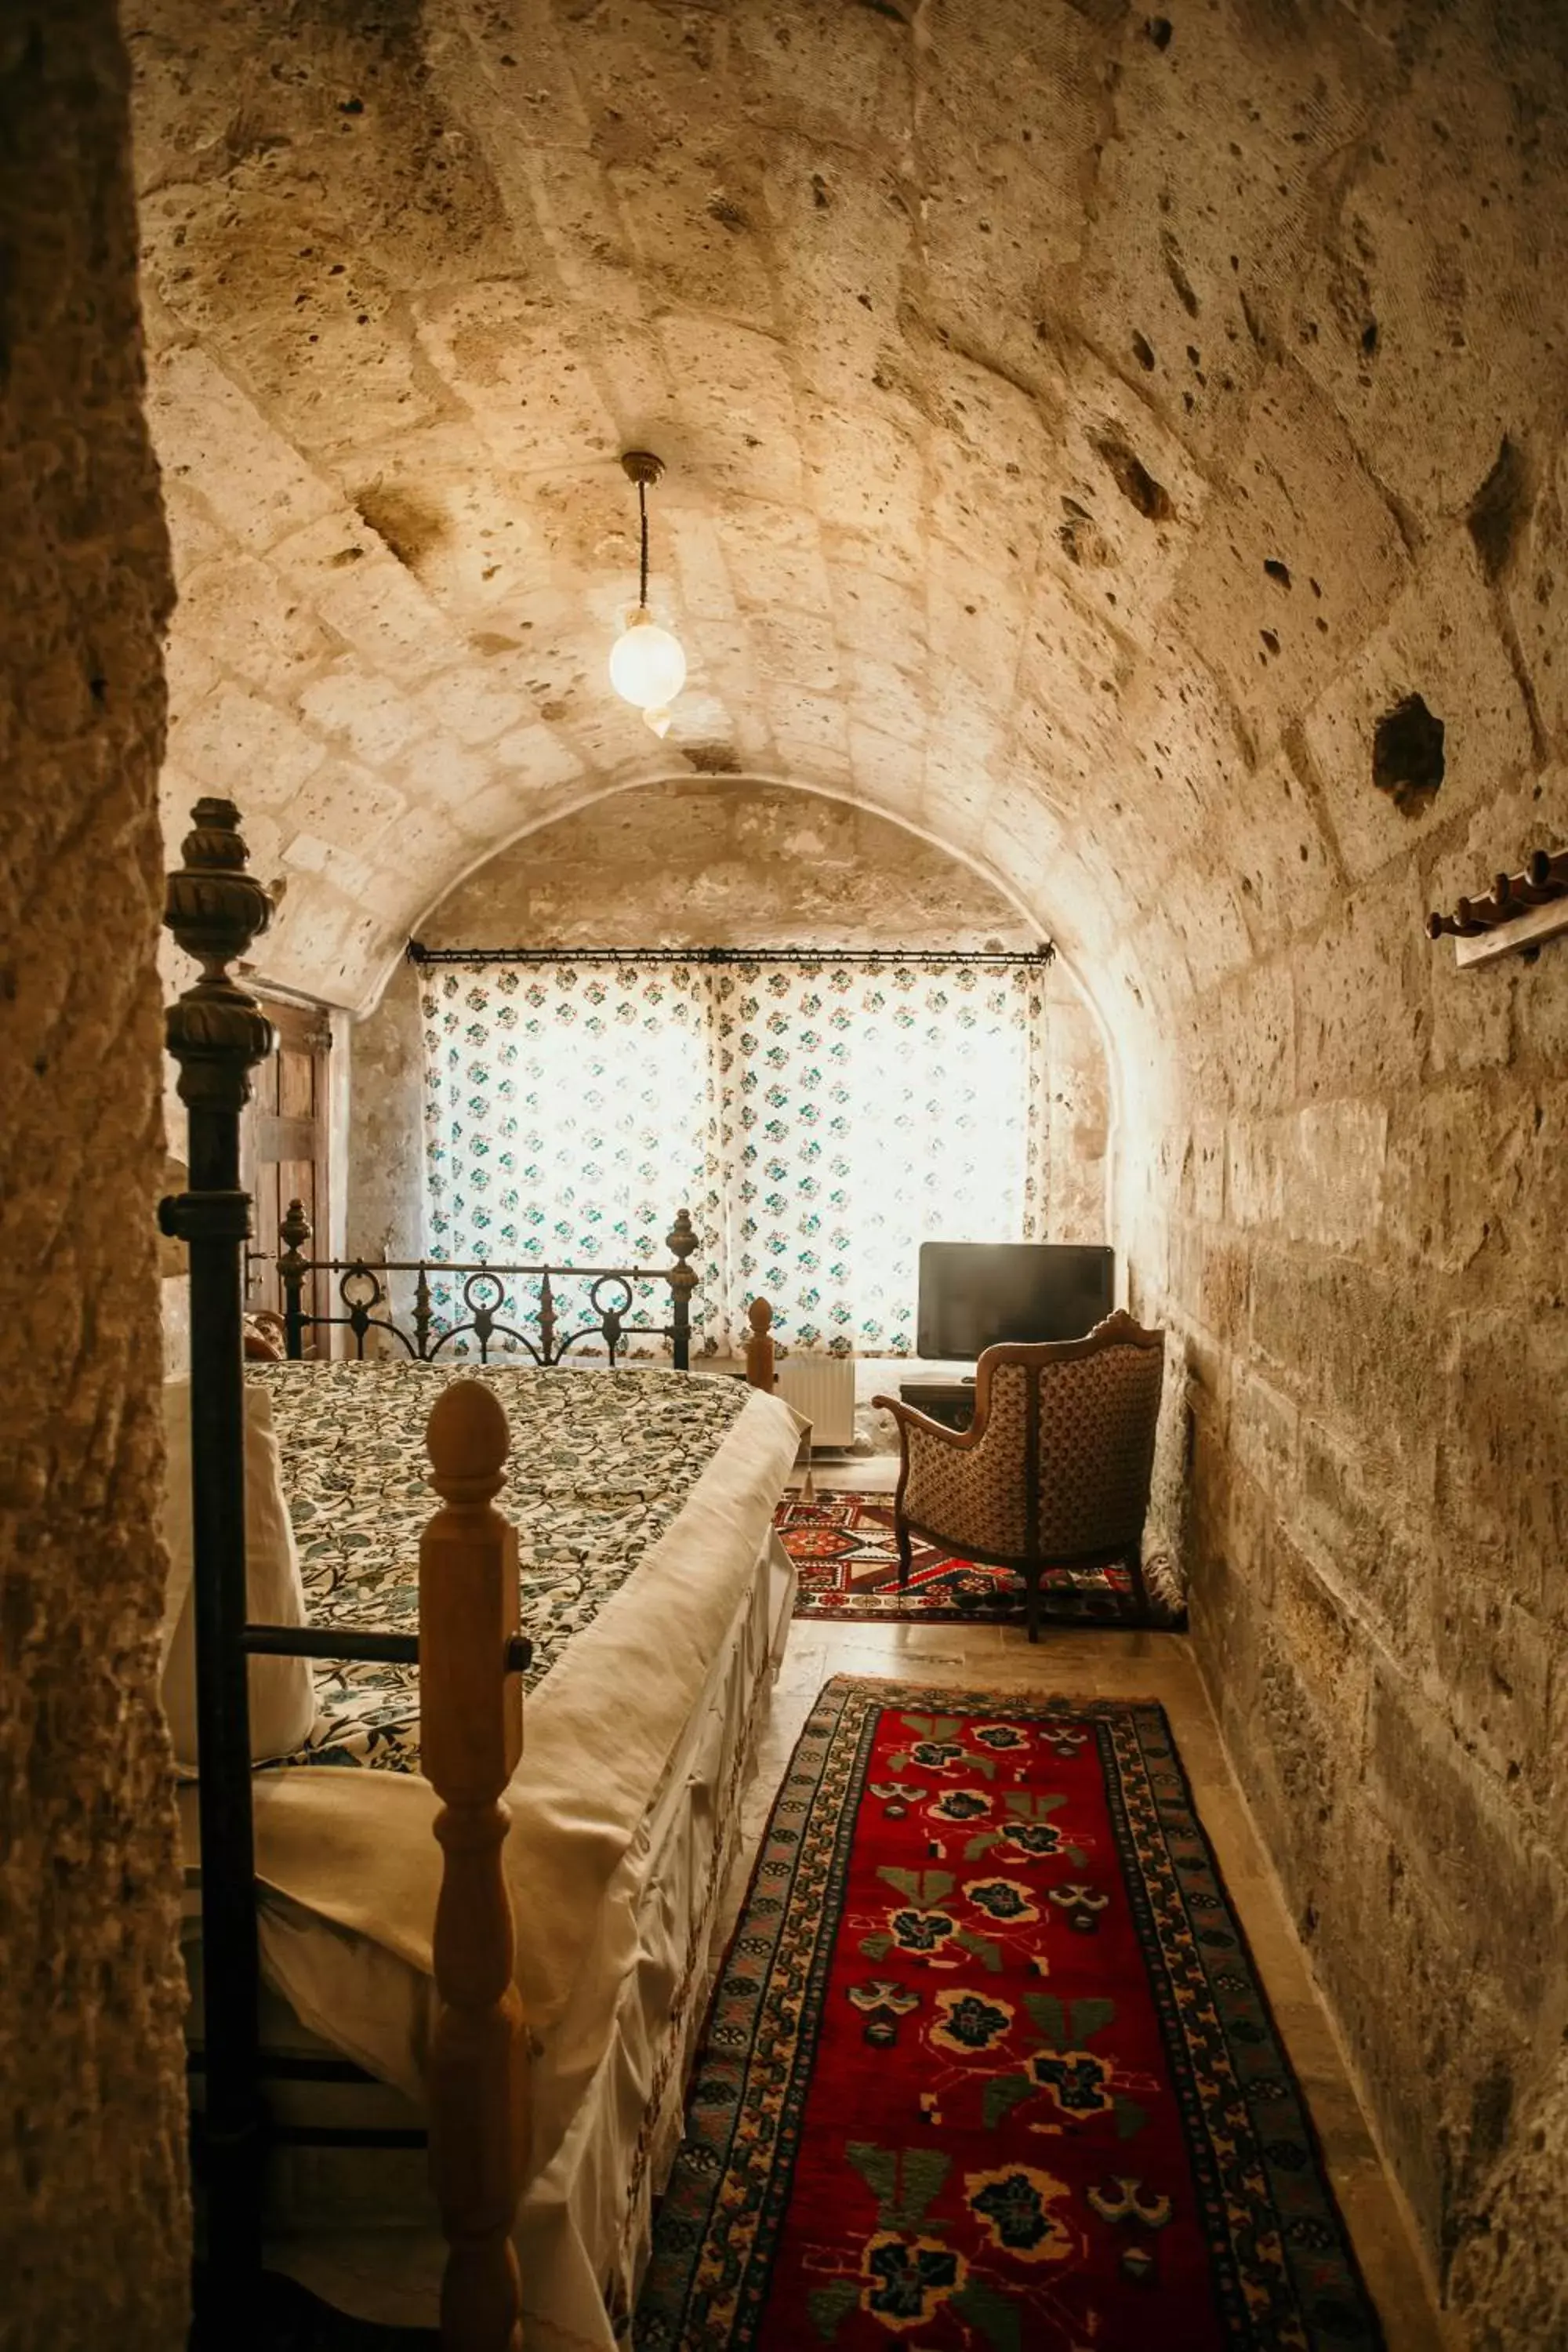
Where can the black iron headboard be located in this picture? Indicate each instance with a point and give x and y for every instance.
(363, 1292)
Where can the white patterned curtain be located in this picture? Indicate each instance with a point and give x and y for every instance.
(567, 1116)
(864, 1110)
(820, 1119)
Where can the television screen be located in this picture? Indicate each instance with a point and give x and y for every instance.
(975, 1294)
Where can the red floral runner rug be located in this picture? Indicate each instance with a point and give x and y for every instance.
(988, 2065)
(846, 1559)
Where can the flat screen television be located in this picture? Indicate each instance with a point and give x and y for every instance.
(974, 1295)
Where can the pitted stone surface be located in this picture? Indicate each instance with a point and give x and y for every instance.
(1053, 415)
(1079, 438)
(94, 2223)
(726, 862)
(715, 863)
(1507, 2283)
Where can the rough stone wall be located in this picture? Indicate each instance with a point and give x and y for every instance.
(1349, 1196)
(93, 2219)
(726, 862)
(1051, 396)
(1508, 2277)
(386, 1214)
(1079, 1116)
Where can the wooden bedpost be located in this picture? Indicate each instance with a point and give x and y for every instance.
(218, 1032)
(759, 1346)
(471, 1737)
(681, 1240)
(294, 1232)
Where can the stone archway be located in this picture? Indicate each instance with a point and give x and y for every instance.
(724, 862)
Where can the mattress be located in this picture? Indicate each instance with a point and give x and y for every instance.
(661, 1599)
(601, 1464)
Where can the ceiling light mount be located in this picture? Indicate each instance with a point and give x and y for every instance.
(648, 668)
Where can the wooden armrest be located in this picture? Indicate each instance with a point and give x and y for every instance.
(909, 1417)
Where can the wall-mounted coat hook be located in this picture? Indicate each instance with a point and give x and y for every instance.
(1519, 912)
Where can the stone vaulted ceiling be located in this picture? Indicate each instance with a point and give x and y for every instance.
(1060, 401)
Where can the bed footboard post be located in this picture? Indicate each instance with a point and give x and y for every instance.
(218, 1032)
(294, 1232)
(759, 1346)
(471, 1737)
(681, 1240)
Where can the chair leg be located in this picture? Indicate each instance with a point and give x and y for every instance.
(905, 1554)
(1141, 1590)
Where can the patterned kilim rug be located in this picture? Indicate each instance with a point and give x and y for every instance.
(848, 1560)
(988, 2065)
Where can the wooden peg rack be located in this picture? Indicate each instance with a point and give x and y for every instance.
(1520, 910)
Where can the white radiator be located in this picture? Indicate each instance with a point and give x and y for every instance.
(823, 1388)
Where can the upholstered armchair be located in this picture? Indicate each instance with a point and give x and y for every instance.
(1054, 1470)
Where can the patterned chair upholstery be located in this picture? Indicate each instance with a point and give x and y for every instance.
(1054, 1469)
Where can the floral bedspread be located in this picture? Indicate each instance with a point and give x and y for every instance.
(600, 1462)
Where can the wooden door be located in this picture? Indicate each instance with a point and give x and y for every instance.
(284, 1155)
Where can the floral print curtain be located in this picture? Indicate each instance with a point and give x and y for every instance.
(819, 1118)
(568, 1115)
(864, 1109)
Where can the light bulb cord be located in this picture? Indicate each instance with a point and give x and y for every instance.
(642, 574)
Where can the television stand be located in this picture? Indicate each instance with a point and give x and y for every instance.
(948, 1400)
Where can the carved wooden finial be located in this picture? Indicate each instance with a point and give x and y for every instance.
(294, 1226)
(467, 1439)
(760, 1349)
(293, 1267)
(681, 1240)
(216, 907)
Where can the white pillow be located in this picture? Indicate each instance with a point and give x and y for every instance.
(283, 1690)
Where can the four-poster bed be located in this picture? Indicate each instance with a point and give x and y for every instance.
(641, 1729)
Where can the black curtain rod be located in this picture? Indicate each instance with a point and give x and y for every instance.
(1045, 953)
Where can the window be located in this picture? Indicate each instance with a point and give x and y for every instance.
(820, 1119)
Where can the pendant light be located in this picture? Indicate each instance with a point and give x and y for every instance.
(648, 668)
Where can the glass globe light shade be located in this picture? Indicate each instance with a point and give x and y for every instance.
(647, 665)
(657, 718)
